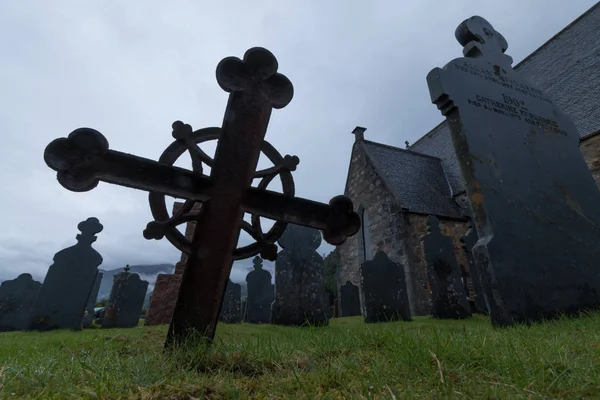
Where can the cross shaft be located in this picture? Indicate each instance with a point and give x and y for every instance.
(84, 159)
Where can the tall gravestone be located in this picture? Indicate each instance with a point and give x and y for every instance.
(448, 293)
(231, 309)
(260, 294)
(126, 301)
(468, 240)
(88, 317)
(299, 279)
(533, 199)
(17, 298)
(66, 289)
(384, 289)
(349, 300)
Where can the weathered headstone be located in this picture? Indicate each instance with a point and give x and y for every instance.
(260, 294)
(126, 300)
(468, 240)
(384, 289)
(231, 310)
(63, 297)
(350, 300)
(255, 88)
(299, 279)
(166, 287)
(448, 293)
(88, 316)
(533, 199)
(17, 298)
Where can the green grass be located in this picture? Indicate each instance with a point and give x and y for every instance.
(349, 359)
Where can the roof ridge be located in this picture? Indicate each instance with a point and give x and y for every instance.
(416, 153)
(537, 50)
(575, 21)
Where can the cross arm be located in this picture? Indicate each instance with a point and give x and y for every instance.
(83, 159)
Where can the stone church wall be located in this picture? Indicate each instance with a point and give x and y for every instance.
(387, 229)
(590, 148)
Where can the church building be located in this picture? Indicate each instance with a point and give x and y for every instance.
(395, 189)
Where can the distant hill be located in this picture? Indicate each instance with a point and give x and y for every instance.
(146, 272)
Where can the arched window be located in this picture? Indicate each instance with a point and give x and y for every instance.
(364, 237)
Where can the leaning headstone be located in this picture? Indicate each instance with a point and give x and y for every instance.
(126, 301)
(533, 199)
(468, 240)
(260, 294)
(448, 294)
(17, 298)
(66, 289)
(350, 300)
(384, 289)
(88, 317)
(299, 279)
(231, 309)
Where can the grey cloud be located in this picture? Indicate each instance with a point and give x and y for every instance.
(129, 69)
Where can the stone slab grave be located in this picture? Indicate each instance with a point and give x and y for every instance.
(349, 300)
(255, 88)
(468, 240)
(17, 298)
(299, 279)
(126, 300)
(166, 287)
(231, 310)
(384, 289)
(88, 316)
(533, 199)
(63, 297)
(448, 293)
(260, 294)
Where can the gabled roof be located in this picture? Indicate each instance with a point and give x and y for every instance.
(416, 180)
(566, 67)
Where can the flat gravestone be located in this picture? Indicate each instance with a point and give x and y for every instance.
(384, 289)
(260, 294)
(468, 240)
(533, 199)
(126, 301)
(66, 289)
(88, 316)
(231, 309)
(448, 293)
(17, 298)
(299, 279)
(350, 300)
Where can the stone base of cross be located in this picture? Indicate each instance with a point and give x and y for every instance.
(83, 159)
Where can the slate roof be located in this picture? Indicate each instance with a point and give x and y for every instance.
(567, 68)
(416, 180)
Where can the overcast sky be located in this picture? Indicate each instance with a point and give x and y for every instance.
(131, 68)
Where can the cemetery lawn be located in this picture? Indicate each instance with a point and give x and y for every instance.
(420, 359)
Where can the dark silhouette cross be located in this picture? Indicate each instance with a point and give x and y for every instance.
(255, 88)
(126, 269)
(258, 262)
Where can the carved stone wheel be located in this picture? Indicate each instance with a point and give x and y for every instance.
(166, 225)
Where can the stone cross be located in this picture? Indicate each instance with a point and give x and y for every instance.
(533, 199)
(255, 88)
(126, 269)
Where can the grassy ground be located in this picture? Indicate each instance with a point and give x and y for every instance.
(349, 359)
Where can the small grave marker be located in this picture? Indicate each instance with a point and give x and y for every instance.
(350, 300)
(17, 298)
(126, 300)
